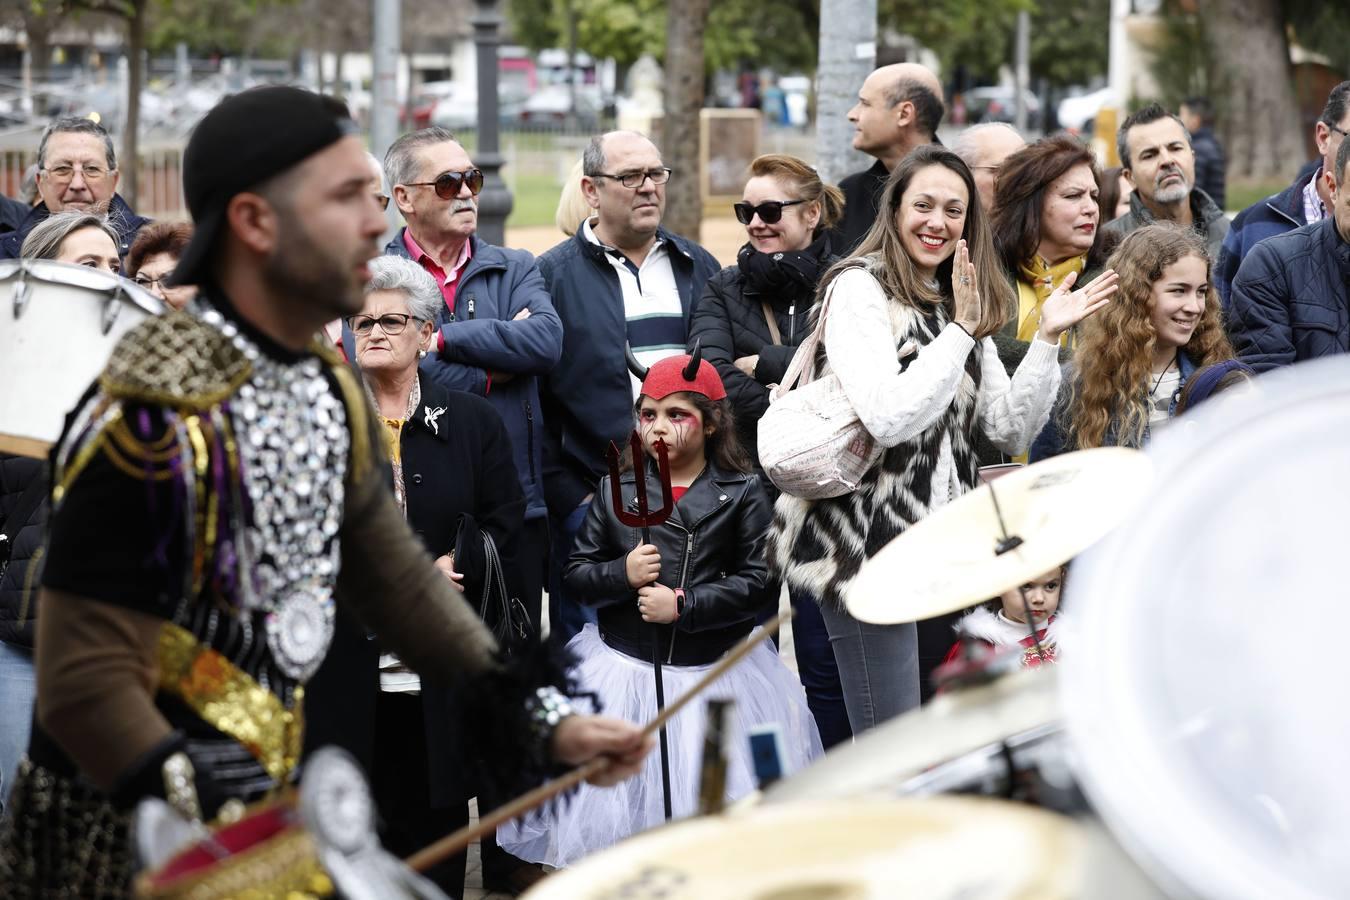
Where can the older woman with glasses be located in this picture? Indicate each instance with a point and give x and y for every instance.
(152, 258)
(452, 468)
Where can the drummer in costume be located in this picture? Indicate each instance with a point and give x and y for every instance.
(215, 495)
(699, 586)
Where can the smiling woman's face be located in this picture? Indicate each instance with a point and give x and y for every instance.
(932, 216)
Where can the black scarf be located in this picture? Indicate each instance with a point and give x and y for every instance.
(785, 275)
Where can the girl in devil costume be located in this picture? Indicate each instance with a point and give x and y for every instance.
(688, 595)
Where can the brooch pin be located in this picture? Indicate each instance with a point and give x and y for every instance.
(432, 418)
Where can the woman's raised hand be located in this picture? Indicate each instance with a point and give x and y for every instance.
(1066, 307)
(969, 305)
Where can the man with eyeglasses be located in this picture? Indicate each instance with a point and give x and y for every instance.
(496, 332)
(77, 170)
(1305, 201)
(620, 283)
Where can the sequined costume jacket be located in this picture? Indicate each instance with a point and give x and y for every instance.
(213, 497)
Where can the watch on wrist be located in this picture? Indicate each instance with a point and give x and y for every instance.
(679, 602)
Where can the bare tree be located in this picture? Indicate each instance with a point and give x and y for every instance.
(848, 36)
(1263, 135)
(683, 99)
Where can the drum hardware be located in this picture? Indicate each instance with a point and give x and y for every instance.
(112, 306)
(22, 291)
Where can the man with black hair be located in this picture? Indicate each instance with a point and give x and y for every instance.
(1292, 292)
(1156, 155)
(899, 108)
(1305, 201)
(1197, 114)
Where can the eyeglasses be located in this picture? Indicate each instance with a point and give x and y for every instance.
(635, 180)
(1341, 131)
(448, 184)
(390, 323)
(66, 173)
(383, 200)
(143, 281)
(769, 212)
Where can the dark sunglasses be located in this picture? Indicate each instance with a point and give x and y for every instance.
(448, 184)
(769, 211)
(390, 323)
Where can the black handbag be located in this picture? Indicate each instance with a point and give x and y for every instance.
(485, 587)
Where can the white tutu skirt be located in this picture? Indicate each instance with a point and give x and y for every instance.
(764, 691)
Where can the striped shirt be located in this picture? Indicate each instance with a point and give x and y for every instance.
(1314, 210)
(651, 303)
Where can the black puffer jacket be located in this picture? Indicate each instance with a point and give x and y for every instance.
(16, 615)
(712, 546)
(729, 323)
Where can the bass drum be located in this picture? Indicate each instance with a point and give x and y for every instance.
(58, 325)
(1209, 730)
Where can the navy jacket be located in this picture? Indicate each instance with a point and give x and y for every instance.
(1210, 164)
(1276, 214)
(1291, 298)
(481, 336)
(125, 222)
(588, 397)
(18, 586)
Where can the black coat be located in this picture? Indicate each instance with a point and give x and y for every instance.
(729, 323)
(712, 546)
(462, 463)
(1210, 164)
(1291, 298)
(17, 611)
(862, 200)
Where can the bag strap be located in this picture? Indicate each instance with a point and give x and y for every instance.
(772, 323)
(806, 353)
(29, 501)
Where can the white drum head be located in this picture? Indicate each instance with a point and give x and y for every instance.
(1202, 675)
(58, 326)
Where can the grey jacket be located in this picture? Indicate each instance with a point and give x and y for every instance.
(1210, 221)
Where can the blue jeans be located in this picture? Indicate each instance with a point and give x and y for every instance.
(818, 670)
(17, 692)
(566, 616)
(878, 667)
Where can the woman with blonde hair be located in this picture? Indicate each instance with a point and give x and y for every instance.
(1134, 360)
(748, 323)
(908, 335)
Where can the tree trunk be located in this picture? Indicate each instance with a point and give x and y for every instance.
(683, 99)
(1262, 134)
(848, 35)
(131, 129)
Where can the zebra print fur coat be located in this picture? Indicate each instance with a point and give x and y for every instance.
(921, 387)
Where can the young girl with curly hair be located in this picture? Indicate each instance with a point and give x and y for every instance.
(1137, 354)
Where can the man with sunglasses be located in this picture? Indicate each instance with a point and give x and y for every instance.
(1305, 201)
(899, 108)
(77, 170)
(620, 283)
(496, 332)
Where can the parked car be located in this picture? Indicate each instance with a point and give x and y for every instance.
(998, 104)
(551, 105)
(1077, 114)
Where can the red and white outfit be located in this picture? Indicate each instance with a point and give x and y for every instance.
(998, 632)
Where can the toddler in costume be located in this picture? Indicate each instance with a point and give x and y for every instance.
(690, 595)
(1005, 627)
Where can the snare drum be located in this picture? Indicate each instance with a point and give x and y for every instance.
(58, 325)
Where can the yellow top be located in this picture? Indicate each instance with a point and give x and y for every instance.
(1036, 281)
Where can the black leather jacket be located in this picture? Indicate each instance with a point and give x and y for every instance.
(712, 545)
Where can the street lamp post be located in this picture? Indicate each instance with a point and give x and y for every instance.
(494, 203)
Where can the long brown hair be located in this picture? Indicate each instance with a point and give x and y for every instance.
(899, 277)
(1115, 352)
(1019, 197)
(805, 180)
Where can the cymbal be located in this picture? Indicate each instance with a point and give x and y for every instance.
(952, 725)
(931, 847)
(948, 561)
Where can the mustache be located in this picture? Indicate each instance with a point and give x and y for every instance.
(461, 204)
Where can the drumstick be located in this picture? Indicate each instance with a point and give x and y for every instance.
(456, 841)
